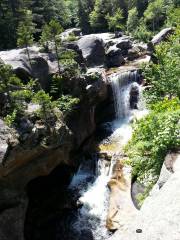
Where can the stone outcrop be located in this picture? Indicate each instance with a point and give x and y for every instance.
(121, 209)
(35, 149)
(114, 57)
(92, 48)
(71, 31)
(109, 50)
(160, 37)
(42, 65)
(159, 215)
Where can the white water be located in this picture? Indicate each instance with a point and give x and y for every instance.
(95, 197)
(121, 86)
(95, 203)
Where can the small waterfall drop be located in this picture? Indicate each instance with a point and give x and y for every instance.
(94, 199)
(121, 85)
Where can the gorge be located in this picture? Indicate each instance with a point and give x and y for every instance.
(70, 179)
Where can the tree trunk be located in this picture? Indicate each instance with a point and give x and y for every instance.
(28, 54)
(56, 49)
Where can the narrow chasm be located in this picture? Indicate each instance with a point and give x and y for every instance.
(91, 201)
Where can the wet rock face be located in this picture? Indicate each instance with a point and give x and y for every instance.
(48, 202)
(121, 209)
(134, 97)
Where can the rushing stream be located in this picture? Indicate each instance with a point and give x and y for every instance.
(92, 178)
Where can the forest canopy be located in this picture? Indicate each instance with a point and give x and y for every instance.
(139, 18)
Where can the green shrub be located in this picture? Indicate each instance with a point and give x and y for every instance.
(72, 38)
(67, 103)
(11, 118)
(163, 76)
(153, 137)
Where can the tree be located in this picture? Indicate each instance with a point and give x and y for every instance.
(50, 34)
(163, 76)
(85, 7)
(98, 17)
(155, 14)
(45, 10)
(132, 21)
(8, 80)
(11, 12)
(45, 102)
(115, 21)
(25, 32)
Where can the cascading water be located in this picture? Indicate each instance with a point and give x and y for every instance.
(92, 215)
(121, 85)
(94, 196)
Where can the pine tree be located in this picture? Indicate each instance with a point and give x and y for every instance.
(98, 17)
(85, 7)
(50, 34)
(115, 22)
(132, 21)
(25, 32)
(155, 14)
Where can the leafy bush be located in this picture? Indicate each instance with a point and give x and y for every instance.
(141, 33)
(11, 118)
(163, 76)
(72, 37)
(45, 101)
(67, 103)
(115, 22)
(153, 137)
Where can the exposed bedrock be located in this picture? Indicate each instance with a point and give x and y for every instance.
(33, 150)
(159, 215)
(121, 208)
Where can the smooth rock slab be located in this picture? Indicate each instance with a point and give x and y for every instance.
(159, 217)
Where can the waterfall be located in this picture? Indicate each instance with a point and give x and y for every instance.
(92, 215)
(91, 180)
(121, 85)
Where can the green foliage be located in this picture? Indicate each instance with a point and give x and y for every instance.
(132, 21)
(141, 33)
(11, 13)
(67, 103)
(155, 14)
(72, 37)
(153, 137)
(51, 33)
(11, 118)
(163, 76)
(45, 101)
(25, 31)
(7, 78)
(56, 86)
(173, 19)
(115, 21)
(98, 17)
(85, 7)
(67, 57)
(159, 132)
